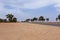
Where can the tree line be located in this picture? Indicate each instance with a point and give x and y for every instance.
(9, 18)
(41, 18)
(12, 18)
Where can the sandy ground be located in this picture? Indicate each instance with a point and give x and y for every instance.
(27, 31)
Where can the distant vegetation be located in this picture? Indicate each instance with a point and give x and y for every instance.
(41, 19)
(10, 18)
(58, 18)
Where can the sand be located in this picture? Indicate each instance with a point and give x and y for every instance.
(27, 31)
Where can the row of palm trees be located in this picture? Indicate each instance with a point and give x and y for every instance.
(41, 18)
(10, 18)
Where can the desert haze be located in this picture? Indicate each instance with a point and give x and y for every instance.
(28, 31)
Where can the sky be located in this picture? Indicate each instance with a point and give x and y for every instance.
(24, 9)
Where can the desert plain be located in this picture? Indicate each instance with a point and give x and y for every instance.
(28, 31)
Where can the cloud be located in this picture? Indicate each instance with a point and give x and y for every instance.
(30, 4)
(38, 4)
(57, 6)
(15, 6)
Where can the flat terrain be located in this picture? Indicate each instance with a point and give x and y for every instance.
(28, 31)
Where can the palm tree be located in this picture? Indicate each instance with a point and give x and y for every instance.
(41, 18)
(47, 19)
(10, 17)
(59, 17)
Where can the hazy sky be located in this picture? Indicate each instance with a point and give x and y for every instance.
(23, 9)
